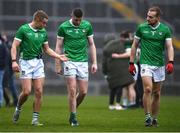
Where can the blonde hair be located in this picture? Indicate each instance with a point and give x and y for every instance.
(39, 15)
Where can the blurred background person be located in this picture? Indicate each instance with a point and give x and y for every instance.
(116, 68)
(2, 67)
(129, 95)
(114, 93)
(8, 78)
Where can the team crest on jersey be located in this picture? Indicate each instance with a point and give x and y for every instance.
(160, 33)
(84, 30)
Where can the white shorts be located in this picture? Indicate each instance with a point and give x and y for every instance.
(157, 73)
(76, 69)
(31, 69)
(136, 74)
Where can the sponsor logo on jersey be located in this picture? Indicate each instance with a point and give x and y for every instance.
(146, 32)
(29, 34)
(68, 31)
(36, 35)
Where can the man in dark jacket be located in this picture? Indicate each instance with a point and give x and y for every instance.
(2, 67)
(8, 79)
(116, 69)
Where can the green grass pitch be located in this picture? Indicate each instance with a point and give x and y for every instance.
(93, 116)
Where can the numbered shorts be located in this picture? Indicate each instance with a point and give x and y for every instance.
(31, 69)
(76, 69)
(157, 73)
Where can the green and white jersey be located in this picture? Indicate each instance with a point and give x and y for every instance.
(75, 39)
(31, 41)
(152, 40)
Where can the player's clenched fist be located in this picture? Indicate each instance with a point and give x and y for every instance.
(170, 67)
(132, 69)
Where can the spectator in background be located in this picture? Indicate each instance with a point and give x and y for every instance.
(115, 93)
(8, 79)
(116, 68)
(3, 54)
(127, 38)
(153, 37)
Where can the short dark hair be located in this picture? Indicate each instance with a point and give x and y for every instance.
(125, 34)
(77, 12)
(157, 10)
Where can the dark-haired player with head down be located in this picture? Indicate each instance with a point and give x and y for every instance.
(74, 35)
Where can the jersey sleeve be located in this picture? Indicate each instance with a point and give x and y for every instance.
(19, 34)
(60, 32)
(46, 39)
(168, 34)
(90, 30)
(138, 33)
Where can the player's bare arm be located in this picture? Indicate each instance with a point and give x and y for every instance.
(123, 55)
(170, 50)
(58, 50)
(15, 65)
(52, 53)
(133, 49)
(93, 54)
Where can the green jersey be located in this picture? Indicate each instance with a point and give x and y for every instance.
(31, 41)
(152, 41)
(75, 39)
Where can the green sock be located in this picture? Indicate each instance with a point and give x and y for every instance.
(147, 116)
(73, 115)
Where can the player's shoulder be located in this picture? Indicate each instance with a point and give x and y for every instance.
(24, 26)
(143, 25)
(163, 25)
(65, 23)
(85, 22)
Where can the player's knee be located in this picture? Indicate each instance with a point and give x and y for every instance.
(72, 93)
(156, 94)
(148, 90)
(38, 92)
(26, 93)
(83, 94)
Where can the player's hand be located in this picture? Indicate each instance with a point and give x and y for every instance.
(63, 57)
(170, 67)
(15, 66)
(58, 69)
(94, 68)
(132, 69)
